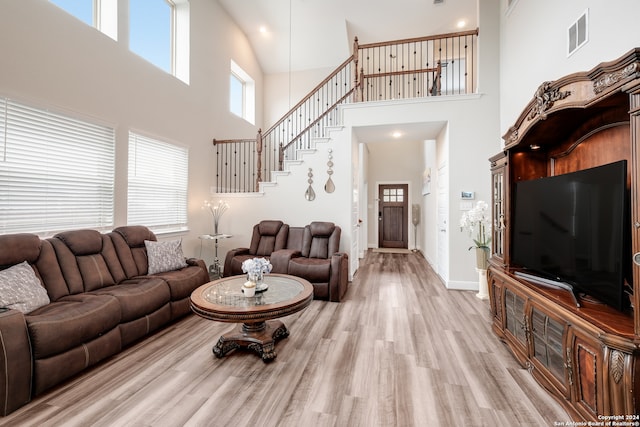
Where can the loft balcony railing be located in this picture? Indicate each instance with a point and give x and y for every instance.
(412, 68)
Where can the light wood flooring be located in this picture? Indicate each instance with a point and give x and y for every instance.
(400, 351)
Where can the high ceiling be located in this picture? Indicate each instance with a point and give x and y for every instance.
(312, 34)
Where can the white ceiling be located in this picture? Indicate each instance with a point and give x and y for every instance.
(320, 33)
(315, 34)
(411, 132)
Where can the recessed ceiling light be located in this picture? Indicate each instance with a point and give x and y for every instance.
(396, 134)
(462, 23)
(263, 29)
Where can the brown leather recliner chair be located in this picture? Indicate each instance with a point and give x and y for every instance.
(268, 236)
(321, 263)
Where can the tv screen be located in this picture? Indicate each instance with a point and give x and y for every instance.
(573, 228)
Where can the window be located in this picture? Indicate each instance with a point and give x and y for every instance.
(157, 193)
(577, 34)
(242, 94)
(236, 100)
(56, 172)
(159, 32)
(101, 14)
(392, 195)
(150, 31)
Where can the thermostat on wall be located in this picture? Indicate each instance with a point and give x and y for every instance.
(467, 195)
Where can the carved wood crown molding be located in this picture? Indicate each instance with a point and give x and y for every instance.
(612, 78)
(545, 96)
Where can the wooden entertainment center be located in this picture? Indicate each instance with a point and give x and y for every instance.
(587, 357)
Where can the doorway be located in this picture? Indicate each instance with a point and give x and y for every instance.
(393, 216)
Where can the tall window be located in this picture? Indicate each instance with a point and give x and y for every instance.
(158, 175)
(56, 172)
(242, 94)
(159, 32)
(236, 98)
(151, 31)
(101, 14)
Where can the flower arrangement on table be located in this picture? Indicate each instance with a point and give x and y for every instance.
(255, 268)
(477, 221)
(217, 210)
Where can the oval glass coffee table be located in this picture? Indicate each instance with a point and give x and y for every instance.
(223, 300)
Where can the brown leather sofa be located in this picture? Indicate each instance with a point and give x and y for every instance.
(101, 300)
(310, 252)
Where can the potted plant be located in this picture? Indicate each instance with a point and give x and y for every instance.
(477, 222)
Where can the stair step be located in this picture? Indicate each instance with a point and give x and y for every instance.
(280, 173)
(317, 139)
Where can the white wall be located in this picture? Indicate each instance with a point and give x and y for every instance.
(470, 139)
(283, 91)
(534, 44)
(51, 59)
(393, 162)
(286, 201)
(428, 223)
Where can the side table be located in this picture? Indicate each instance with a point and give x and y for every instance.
(214, 269)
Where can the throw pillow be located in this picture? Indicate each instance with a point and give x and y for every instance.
(164, 256)
(21, 290)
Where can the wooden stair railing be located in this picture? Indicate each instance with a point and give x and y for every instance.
(418, 67)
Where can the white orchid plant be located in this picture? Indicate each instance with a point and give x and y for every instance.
(477, 221)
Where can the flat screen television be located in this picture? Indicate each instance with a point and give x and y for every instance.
(574, 229)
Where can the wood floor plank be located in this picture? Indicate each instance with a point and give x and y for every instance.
(401, 350)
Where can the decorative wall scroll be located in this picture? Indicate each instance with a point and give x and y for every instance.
(330, 187)
(310, 194)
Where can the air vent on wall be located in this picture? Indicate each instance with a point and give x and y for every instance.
(578, 34)
(438, 1)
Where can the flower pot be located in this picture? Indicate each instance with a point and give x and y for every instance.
(482, 258)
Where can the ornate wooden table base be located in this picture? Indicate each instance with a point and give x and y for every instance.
(223, 300)
(259, 337)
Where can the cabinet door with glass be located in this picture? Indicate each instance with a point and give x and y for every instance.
(547, 351)
(498, 205)
(517, 330)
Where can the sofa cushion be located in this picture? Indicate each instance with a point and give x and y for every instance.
(87, 260)
(20, 289)
(129, 245)
(315, 270)
(82, 242)
(164, 256)
(321, 240)
(15, 248)
(268, 236)
(138, 299)
(71, 321)
(184, 281)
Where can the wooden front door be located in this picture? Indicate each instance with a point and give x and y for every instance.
(393, 216)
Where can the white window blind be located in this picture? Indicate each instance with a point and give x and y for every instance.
(56, 172)
(158, 175)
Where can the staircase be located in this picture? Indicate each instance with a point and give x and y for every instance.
(412, 68)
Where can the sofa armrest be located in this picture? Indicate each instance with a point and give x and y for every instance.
(197, 262)
(15, 361)
(233, 252)
(339, 278)
(280, 259)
